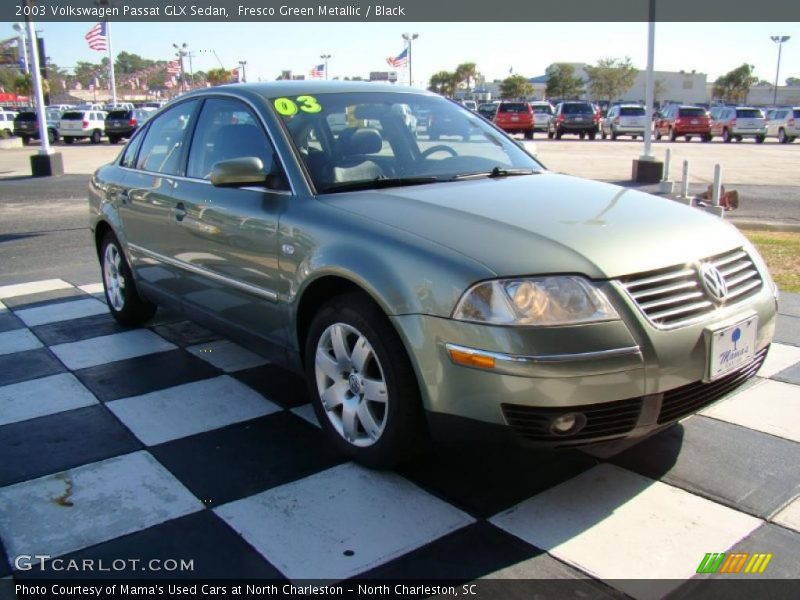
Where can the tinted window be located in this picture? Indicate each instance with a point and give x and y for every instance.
(227, 129)
(513, 107)
(540, 109)
(72, 116)
(632, 111)
(162, 147)
(26, 116)
(749, 113)
(692, 112)
(577, 109)
(119, 115)
(129, 156)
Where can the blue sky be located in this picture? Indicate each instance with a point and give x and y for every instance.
(357, 48)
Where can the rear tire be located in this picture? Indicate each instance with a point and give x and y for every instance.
(559, 134)
(96, 137)
(69, 140)
(113, 139)
(372, 410)
(760, 139)
(529, 135)
(726, 136)
(613, 135)
(782, 137)
(550, 135)
(658, 135)
(25, 140)
(688, 138)
(673, 136)
(124, 302)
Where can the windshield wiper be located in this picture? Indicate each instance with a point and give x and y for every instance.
(496, 172)
(379, 183)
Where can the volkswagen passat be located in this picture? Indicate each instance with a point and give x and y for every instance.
(450, 287)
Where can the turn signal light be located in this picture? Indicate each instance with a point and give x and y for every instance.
(469, 359)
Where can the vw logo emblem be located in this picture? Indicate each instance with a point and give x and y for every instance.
(355, 384)
(714, 282)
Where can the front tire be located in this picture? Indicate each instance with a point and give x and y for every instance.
(673, 135)
(782, 137)
(96, 137)
(362, 385)
(69, 140)
(124, 302)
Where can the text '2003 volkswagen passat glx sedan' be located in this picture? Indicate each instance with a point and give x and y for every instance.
(448, 287)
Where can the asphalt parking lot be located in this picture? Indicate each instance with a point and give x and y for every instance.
(168, 442)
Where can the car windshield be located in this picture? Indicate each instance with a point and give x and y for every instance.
(364, 140)
(577, 109)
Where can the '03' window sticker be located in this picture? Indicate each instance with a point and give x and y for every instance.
(288, 107)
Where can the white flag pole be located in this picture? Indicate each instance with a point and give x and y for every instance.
(112, 81)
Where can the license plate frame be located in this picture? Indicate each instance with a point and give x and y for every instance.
(727, 350)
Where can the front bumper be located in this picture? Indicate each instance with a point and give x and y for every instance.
(626, 378)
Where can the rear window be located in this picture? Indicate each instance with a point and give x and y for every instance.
(542, 109)
(577, 109)
(631, 111)
(796, 113)
(692, 112)
(514, 107)
(749, 113)
(72, 116)
(26, 116)
(119, 114)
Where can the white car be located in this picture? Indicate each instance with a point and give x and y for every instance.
(80, 124)
(624, 119)
(542, 111)
(470, 104)
(784, 124)
(7, 122)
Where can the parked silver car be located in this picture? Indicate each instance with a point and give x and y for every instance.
(784, 124)
(735, 123)
(624, 119)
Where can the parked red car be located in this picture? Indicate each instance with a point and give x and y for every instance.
(686, 121)
(515, 117)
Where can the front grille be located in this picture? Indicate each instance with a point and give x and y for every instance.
(673, 296)
(602, 420)
(690, 398)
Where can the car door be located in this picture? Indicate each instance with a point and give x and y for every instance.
(148, 209)
(227, 237)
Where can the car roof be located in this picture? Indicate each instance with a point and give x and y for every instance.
(280, 88)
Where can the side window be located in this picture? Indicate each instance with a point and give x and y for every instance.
(227, 129)
(162, 146)
(129, 156)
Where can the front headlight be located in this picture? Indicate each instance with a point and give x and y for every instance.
(557, 300)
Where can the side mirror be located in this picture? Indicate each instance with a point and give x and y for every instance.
(238, 172)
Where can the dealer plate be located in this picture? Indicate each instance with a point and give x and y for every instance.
(732, 347)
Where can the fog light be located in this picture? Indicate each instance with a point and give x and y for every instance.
(568, 423)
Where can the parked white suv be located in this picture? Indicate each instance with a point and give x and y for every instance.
(735, 123)
(80, 124)
(624, 119)
(542, 111)
(784, 124)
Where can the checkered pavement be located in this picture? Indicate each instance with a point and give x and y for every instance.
(172, 442)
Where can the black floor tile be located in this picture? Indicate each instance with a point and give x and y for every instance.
(75, 330)
(790, 375)
(742, 468)
(8, 321)
(144, 374)
(484, 480)
(61, 441)
(201, 539)
(277, 384)
(44, 298)
(185, 333)
(243, 459)
(30, 364)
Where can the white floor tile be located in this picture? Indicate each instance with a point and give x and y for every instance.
(340, 522)
(306, 412)
(18, 340)
(789, 516)
(769, 406)
(191, 408)
(618, 525)
(93, 288)
(110, 348)
(87, 505)
(43, 396)
(780, 357)
(227, 355)
(62, 311)
(33, 287)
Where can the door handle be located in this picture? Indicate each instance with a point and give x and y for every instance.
(180, 211)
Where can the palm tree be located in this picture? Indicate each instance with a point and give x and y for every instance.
(23, 85)
(218, 76)
(467, 73)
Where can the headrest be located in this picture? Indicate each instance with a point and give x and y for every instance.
(362, 141)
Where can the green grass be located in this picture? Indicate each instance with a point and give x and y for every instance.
(781, 251)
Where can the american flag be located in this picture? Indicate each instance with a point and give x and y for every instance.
(97, 37)
(318, 71)
(174, 67)
(401, 60)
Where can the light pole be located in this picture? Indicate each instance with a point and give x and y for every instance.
(242, 64)
(182, 51)
(410, 37)
(23, 46)
(325, 57)
(778, 39)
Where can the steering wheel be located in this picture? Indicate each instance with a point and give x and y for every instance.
(439, 148)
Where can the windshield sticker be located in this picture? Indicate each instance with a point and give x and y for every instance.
(288, 107)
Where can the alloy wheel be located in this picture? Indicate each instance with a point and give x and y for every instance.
(113, 277)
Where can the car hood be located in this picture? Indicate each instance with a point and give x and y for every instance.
(548, 223)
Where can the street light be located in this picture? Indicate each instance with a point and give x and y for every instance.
(778, 39)
(325, 57)
(409, 37)
(23, 46)
(183, 50)
(242, 63)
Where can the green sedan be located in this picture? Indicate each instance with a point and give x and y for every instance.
(450, 288)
